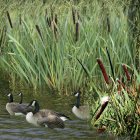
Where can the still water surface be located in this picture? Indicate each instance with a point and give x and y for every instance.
(16, 128)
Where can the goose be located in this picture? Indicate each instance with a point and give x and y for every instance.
(21, 98)
(24, 105)
(81, 112)
(45, 117)
(15, 108)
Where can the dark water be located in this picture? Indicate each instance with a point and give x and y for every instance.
(15, 128)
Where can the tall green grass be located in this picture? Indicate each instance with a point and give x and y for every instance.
(43, 47)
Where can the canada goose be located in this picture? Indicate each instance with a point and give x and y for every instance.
(24, 105)
(21, 98)
(45, 117)
(15, 108)
(82, 112)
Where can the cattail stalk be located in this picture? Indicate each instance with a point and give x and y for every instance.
(110, 62)
(39, 32)
(106, 78)
(9, 19)
(84, 68)
(108, 24)
(77, 31)
(126, 72)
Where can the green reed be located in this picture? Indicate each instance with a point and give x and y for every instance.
(43, 47)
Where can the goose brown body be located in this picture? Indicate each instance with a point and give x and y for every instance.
(81, 112)
(46, 117)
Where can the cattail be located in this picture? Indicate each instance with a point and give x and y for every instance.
(73, 16)
(126, 72)
(9, 19)
(110, 62)
(77, 32)
(108, 24)
(1, 38)
(120, 83)
(20, 20)
(106, 78)
(39, 32)
(104, 103)
(78, 16)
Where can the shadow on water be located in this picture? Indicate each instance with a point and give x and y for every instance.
(15, 128)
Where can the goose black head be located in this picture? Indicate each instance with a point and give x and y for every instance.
(34, 103)
(77, 93)
(21, 95)
(10, 95)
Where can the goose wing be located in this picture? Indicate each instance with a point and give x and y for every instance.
(25, 109)
(58, 114)
(16, 107)
(51, 121)
(13, 106)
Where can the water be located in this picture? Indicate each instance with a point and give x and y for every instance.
(15, 128)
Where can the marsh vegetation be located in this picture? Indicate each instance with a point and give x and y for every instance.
(77, 45)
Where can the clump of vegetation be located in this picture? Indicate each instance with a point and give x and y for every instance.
(121, 113)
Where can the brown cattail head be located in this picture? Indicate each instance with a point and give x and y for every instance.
(108, 24)
(106, 78)
(73, 15)
(20, 20)
(52, 13)
(104, 103)
(9, 19)
(77, 31)
(126, 72)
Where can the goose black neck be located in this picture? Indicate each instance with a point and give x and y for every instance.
(21, 99)
(10, 98)
(78, 101)
(37, 107)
